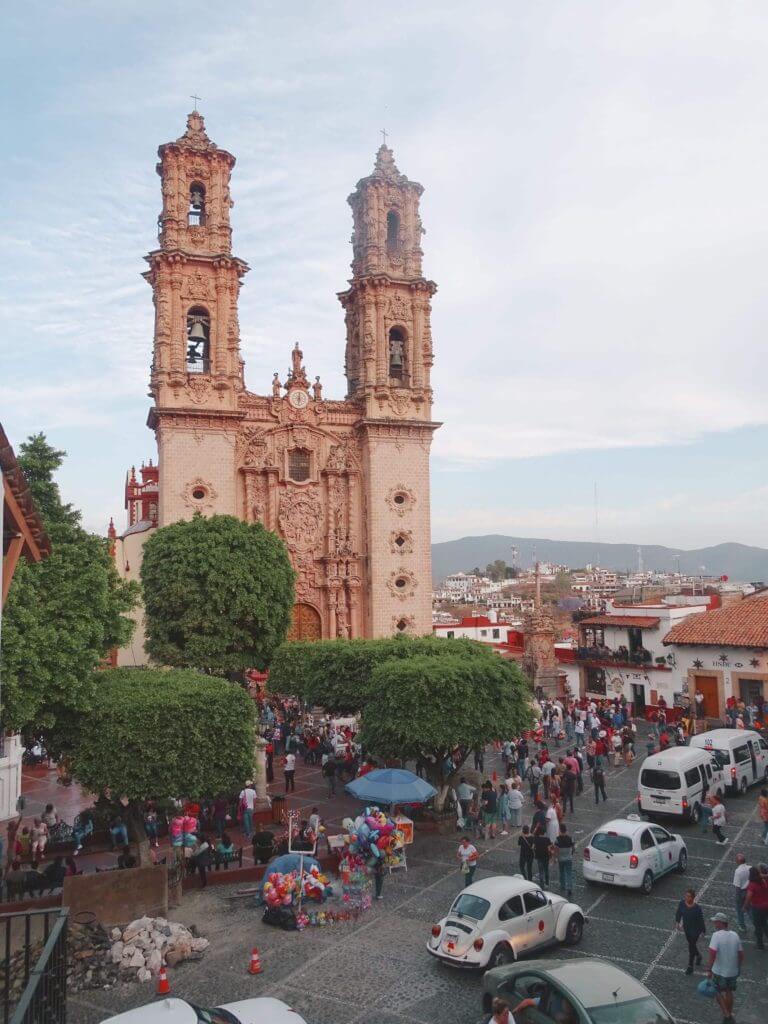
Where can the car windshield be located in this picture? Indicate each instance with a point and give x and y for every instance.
(637, 1011)
(610, 842)
(215, 1016)
(656, 778)
(470, 906)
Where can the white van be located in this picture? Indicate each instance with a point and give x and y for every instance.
(675, 782)
(742, 754)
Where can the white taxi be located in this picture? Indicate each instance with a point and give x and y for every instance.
(493, 921)
(260, 1010)
(633, 853)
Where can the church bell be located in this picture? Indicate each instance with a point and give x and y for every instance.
(197, 332)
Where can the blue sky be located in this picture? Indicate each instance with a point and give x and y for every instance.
(596, 215)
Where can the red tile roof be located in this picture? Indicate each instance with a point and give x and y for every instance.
(743, 624)
(622, 621)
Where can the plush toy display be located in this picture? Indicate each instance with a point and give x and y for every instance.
(372, 836)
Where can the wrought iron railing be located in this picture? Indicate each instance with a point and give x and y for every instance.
(33, 967)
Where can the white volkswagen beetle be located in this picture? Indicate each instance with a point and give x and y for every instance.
(633, 853)
(261, 1010)
(493, 921)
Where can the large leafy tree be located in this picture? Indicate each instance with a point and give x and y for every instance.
(417, 696)
(218, 594)
(158, 733)
(62, 616)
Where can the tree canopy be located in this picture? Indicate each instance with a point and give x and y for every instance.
(218, 594)
(418, 695)
(62, 615)
(156, 733)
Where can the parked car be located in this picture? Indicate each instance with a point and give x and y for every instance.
(495, 920)
(673, 782)
(741, 753)
(578, 991)
(633, 853)
(263, 1010)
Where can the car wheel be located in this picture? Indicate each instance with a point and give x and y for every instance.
(501, 955)
(647, 884)
(682, 861)
(743, 786)
(574, 930)
(694, 814)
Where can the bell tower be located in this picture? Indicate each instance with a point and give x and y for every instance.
(197, 372)
(388, 364)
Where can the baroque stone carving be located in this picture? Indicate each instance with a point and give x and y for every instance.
(402, 583)
(403, 623)
(344, 455)
(401, 542)
(198, 388)
(401, 499)
(198, 286)
(300, 518)
(199, 495)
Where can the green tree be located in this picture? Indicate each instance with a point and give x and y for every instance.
(417, 695)
(158, 733)
(218, 594)
(496, 570)
(62, 616)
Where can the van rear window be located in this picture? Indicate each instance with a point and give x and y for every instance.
(657, 778)
(723, 757)
(608, 843)
(741, 754)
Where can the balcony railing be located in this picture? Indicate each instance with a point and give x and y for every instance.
(619, 656)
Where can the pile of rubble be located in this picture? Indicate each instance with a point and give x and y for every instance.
(145, 944)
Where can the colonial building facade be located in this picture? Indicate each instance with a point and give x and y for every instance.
(345, 483)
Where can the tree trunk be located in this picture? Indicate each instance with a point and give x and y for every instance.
(134, 816)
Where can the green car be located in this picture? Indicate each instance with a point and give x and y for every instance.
(576, 991)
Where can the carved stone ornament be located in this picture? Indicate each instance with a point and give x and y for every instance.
(198, 286)
(398, 308)
(401, 499)
(300, 518)
(198, 388)
(252, 448)
(401, 542)
(344, 455)
(402, 583)
(199, 495)
(399, 402)
(304, 566)
(403, 623)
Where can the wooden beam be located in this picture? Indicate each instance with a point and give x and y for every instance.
(10, 561)
(18, 522)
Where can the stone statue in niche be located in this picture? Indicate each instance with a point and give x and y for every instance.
(342, 616)
(317, 390)
(276, 386)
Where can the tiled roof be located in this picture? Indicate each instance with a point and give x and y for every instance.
(743, 624)
(622, 621)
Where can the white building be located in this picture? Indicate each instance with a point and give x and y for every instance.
(621, 651)
(723, 654)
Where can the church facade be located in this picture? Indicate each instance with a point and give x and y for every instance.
(344, 482)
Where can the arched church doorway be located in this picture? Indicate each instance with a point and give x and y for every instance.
(306, 623)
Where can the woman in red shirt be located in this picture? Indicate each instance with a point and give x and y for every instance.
(757, 901)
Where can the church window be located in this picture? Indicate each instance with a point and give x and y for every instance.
(198, 341)
(196, 215)
(401, 582)
(397, 368)
(299, 464)
(393, 231)
(199, 493)
(400, 540)
(402, 625)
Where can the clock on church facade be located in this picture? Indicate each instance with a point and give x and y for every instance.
(344, 482)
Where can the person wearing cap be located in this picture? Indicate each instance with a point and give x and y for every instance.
(247, 802)
(726, 955)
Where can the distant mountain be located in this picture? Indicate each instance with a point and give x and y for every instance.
(737, 561)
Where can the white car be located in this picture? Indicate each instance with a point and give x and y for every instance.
(493, 921)
(263, 1010)
(633, 853)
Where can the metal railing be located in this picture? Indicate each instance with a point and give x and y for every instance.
(42, 985)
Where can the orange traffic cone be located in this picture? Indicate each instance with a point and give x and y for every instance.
(255, 965)
(163, 988)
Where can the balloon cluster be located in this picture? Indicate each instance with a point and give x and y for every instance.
(372, 836)
(280, 890)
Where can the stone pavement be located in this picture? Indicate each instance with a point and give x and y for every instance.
(377, 969)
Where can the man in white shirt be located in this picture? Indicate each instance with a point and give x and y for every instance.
(289, 771)
(464, 794)
(247, 800)
(578, 729)
(726, 954)
(740, 883)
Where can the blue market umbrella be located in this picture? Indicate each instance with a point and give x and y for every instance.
(391, 786)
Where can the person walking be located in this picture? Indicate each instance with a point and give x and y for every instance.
(552, 821)
(489, 806)
(247, 802)
(289, 772)
(378, 877)
(563, 848)
(467, 856)
(718, 819)
(533, 777)
(726, 955)
(525, 843)
(541, 851)
(756, 901)
(598, 781)
(515, 801)
(740, 883)
(464, 794)
(567, 786)
(504, 810)
(689, 919)
(762, 810)
(328, 771)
